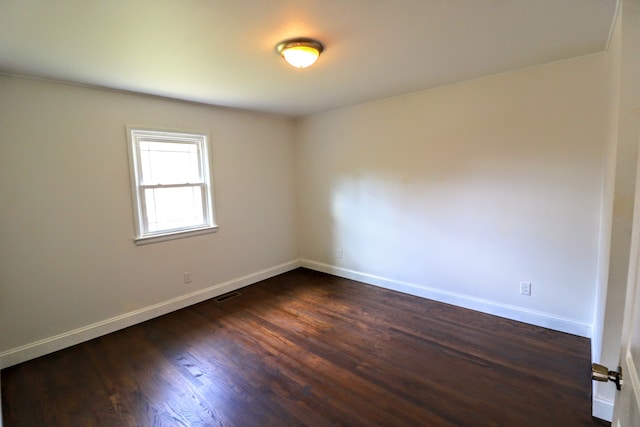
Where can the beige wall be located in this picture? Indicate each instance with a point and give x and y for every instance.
(466, 190)
(67, 256)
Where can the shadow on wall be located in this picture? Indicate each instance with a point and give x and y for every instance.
(468, 189)
(476, 225)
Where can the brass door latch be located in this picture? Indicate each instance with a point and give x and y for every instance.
(602, 373)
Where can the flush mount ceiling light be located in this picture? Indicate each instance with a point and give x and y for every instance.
(300, 52)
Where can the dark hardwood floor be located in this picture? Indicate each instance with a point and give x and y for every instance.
(305, 348)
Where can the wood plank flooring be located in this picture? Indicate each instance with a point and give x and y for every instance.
(305, 348)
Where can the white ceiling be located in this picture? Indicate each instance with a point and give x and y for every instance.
(222, 52)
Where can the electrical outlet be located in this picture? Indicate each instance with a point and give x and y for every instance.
(525, 288)
(339, 253)
(187, 277)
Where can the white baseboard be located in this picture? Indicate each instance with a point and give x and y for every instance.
(85, 333)
(602, 408)
(485, 306)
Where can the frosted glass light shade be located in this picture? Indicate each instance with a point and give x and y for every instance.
(300, 56)
(300, 53)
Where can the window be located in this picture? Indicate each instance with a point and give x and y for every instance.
(172, 192)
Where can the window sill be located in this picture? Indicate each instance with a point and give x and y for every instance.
(176, 235)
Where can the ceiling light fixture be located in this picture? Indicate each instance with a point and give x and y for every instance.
(300, 52)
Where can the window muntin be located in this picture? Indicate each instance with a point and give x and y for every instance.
(171, 184)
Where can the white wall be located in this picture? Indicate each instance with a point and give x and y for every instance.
(67, 256)
(462, 192)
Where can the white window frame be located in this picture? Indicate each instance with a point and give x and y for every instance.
(201, 140)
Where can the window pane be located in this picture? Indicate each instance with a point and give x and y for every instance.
(169, 208)
(171, 181)
(169, 163)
